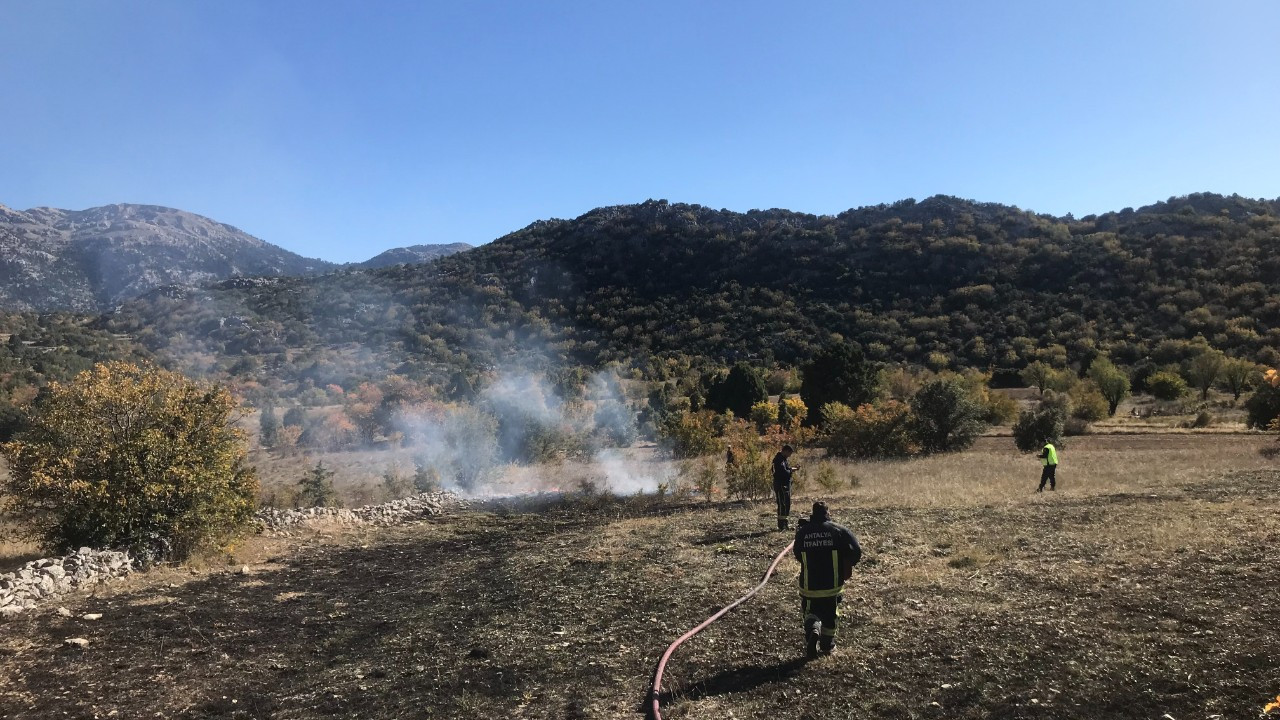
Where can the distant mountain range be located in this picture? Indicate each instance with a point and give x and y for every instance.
(91, 260)
(412, 255)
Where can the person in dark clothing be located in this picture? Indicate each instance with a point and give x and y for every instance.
(827, 553)
(1050, 472)
(782, 472)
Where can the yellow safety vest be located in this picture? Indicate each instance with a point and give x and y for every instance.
(1051, 456)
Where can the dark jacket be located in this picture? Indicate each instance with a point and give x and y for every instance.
(827, 553)
(781, 470)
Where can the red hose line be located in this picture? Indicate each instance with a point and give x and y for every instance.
(662, 664)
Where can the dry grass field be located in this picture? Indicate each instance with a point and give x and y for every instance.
(1145, 587)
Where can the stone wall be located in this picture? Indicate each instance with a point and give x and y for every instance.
(40, 580)
(390, 513)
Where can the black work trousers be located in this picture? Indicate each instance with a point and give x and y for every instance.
(825, 610)
(782, 494)
(1048, 476)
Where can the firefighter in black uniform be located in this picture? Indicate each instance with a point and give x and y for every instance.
(782, 472)
(827, 553)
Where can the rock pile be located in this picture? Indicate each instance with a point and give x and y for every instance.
(390, 513)
(40, 579)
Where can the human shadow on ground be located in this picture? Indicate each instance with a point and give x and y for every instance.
(736, 680)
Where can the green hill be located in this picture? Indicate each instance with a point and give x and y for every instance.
(944, 281)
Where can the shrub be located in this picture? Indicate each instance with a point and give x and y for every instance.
(791, 412)
(1045, 424)
(1263, 406)
(426, 478)
(701, 475)
(1000, 408)
(130, 457)
(1088, 404)
(751, 476)
(689, 435)
(873, 430)
(764, 414)
(1166, 385)
(945, 417)
(827, 479)
(1075, 426)
(395, 484)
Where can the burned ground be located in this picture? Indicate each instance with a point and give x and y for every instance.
(1123, 605)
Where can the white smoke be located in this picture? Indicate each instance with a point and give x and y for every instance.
(473, 448)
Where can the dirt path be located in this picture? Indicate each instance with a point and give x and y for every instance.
(1129, 606)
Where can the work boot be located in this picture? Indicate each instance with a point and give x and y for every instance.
(828, 645)
(782, 524)
(812, 633)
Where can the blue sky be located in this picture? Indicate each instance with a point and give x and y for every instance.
(339, 129)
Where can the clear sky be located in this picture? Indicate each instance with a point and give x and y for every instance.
(339, 129)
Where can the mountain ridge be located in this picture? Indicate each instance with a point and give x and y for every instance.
(90, 260)
(943, 282)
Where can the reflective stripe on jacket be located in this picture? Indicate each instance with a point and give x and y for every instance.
(826, 552)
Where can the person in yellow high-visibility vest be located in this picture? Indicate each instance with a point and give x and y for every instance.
(1050, 457)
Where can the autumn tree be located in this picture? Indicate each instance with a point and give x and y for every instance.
(1112, 382)
(879, 430)
(131, 457)
(1239, 375)
(1038, 375)
(1263, 407)
(1203, 370)
(1166, 385)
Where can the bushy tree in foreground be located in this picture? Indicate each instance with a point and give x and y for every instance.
(131, 457)
(945, 416)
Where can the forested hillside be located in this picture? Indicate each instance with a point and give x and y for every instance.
(944, 282)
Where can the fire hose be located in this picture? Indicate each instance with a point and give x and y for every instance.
(662, 664)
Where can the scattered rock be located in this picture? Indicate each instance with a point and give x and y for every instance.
(92, 616)
(76, 642)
